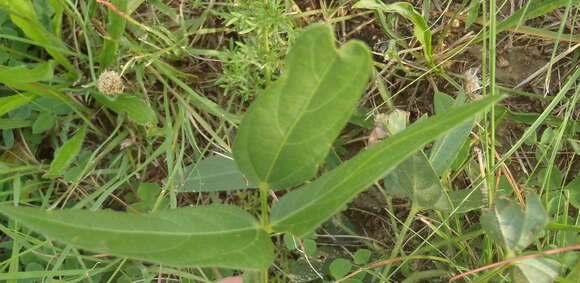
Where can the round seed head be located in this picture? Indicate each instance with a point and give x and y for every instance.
(110, 83)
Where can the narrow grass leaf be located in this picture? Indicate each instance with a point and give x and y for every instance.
(515, 229)
(217, 235)
(304, 209)
(215, 173)
(420, 28)
(134, 107)
(66, 154)
(289, 129)
(12, 102)
(28, 79)
(530, 10)
(15, 76)
(472, 13)
(200, 101)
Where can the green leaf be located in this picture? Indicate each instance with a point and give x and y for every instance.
(43, 123)
(66, 154)
(574, 189)
(215, 173)
(446, 148)
(27, 79)
(148, 194)
(340, 267)
(536, 270)
(16, 76)
(466, 200)
(216, 235)
(362, 256)
(12, 102)
(133, 106)
(289, 129)
(51, 105)
(8, 138)
(420, 28)
(302, 210)
(6, 124)
(74, 173)
(508, 225)
(442, 102)
(473, 12)
(23, 15)
(115, 30)
(309, 247)
(415, 178)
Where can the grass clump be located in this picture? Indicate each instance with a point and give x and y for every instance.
(262, 31)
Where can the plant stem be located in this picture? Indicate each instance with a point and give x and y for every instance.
(264, 219)
(264, 276)
(401, 237)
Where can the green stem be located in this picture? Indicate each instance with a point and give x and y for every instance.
(264, 219)
(264, 276)
(401, 237)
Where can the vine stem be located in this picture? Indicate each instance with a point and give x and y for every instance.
(265, 221)
(265, 210)
(401, 238)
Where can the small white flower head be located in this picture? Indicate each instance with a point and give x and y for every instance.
(472, 83)
(110, 83)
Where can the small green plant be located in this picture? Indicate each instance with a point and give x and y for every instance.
(263, 32)
(421, 29)
(283, 139)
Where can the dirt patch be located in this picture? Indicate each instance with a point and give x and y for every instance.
(513, 65)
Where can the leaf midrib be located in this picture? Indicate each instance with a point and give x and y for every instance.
(149, 232)
(301, 112)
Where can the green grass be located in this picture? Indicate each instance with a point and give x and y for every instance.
(190, 71)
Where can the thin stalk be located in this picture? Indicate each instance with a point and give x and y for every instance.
(264, 276)
(492, 90)
(401, 237)
(264, 219)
